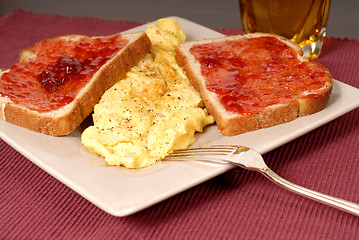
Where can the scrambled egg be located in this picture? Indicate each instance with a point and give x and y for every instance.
(150, 112)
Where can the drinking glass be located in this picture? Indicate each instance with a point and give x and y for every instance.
(302, 21)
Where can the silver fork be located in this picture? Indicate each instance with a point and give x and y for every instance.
(250, 159)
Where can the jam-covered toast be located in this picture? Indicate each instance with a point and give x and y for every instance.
(254, 81)
(57, 81)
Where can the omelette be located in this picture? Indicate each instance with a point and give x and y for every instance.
(152, 111)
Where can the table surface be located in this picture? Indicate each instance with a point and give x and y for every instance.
(238, 204)
(343, 18)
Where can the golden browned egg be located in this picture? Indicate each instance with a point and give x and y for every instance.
(150, 112)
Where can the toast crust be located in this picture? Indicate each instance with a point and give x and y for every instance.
(66, 119)
(230, 123)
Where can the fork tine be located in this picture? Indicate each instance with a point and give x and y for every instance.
(197, 154)
(220, 150)
(208, 148)
(214, 149)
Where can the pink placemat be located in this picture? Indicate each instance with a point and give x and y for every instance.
(236, 205)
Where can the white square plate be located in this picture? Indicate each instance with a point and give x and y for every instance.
(120, 191)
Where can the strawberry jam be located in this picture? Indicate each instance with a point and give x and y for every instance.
(62, 67)
(250, 74)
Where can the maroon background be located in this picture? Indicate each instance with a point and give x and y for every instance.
(236, 205)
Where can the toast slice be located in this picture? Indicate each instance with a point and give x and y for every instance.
(57, 81)
(254, 81)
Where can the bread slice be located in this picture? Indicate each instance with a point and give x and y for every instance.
(270, 82)
(24, 99)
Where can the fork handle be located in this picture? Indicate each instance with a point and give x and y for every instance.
(338, 203)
